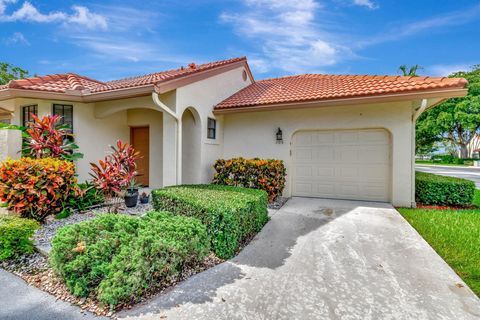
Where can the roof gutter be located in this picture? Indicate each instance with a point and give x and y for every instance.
(420, 110)
(178, 119)
(445, 93)
(416, 113)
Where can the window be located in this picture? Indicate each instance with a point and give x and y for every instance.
(27, 112)
(66, 112)
(212, 128)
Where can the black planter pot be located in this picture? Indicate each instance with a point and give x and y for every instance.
(131, 200)
(144, 200)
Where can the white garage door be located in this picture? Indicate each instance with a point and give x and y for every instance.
(342, 164)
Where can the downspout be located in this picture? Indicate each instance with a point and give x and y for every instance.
(416, 114)
(166, 109)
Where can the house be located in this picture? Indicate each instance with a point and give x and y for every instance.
(341, 136)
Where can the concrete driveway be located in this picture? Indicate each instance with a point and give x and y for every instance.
(470, 173)
(324, 259)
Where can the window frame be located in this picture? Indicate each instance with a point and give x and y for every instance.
(27, 113)
(63, 113)
(211, 131)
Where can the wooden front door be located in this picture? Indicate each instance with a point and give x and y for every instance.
(140, 139)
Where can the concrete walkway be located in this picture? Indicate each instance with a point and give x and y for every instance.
(324, 259)
(19, 301)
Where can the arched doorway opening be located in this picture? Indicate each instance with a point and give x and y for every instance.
(191, 144)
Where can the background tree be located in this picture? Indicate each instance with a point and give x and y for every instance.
(9, 72)
(456, 120)
(409, 71)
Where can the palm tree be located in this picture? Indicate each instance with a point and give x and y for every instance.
(410, 71)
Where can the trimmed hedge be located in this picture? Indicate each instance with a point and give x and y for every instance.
(431, 189)
(119, 257)
(264, 174)
(231, 214)
(15, 234)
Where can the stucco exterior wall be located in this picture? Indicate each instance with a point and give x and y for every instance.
(253, 135)
(203, 96)
(10, 144)
(92, 135)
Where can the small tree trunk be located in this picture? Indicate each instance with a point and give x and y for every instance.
(463, 151)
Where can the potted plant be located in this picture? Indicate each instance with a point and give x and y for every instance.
(144, 197)
(131, 194)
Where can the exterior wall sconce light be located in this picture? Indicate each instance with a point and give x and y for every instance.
(279, 136)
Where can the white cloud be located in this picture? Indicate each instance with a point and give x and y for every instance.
(17, 38)
(366, 3)
(81, 16)
(287, 35)
(117, 48)
(410, 29)
(443, 70)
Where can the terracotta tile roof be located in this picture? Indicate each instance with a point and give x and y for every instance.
(55, 83)
(316, 87)
(62, 83)
(155, 78)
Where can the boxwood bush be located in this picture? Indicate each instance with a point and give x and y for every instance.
(15, 234)
(118, 257)
(231, 214)
(433, 189)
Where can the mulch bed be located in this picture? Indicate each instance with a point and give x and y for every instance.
(435, 207)
(34, 270)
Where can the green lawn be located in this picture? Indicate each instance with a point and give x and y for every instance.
(455, 235)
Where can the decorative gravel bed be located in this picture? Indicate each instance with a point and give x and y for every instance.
(44, 235)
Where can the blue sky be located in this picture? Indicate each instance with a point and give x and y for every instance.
(112, 38)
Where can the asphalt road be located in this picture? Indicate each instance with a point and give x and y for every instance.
(459, 172)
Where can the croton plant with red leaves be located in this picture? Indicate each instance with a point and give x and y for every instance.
(35, 188)
(47, 137)
(116, 171)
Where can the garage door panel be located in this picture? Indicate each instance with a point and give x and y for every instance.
(371, 136)
(349, 164)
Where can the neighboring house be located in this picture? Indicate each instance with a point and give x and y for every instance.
(348, 137)
(473, 147)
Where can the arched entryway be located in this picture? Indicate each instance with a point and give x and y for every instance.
(191, 144)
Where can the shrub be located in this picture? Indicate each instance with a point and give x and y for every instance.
(36, 188)
(118, 257)
(49, 138)
(231, 214)
(433, 189)
(15, 234)
(87, 197)
(164, 245)
(116, 171)
(268, 175)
